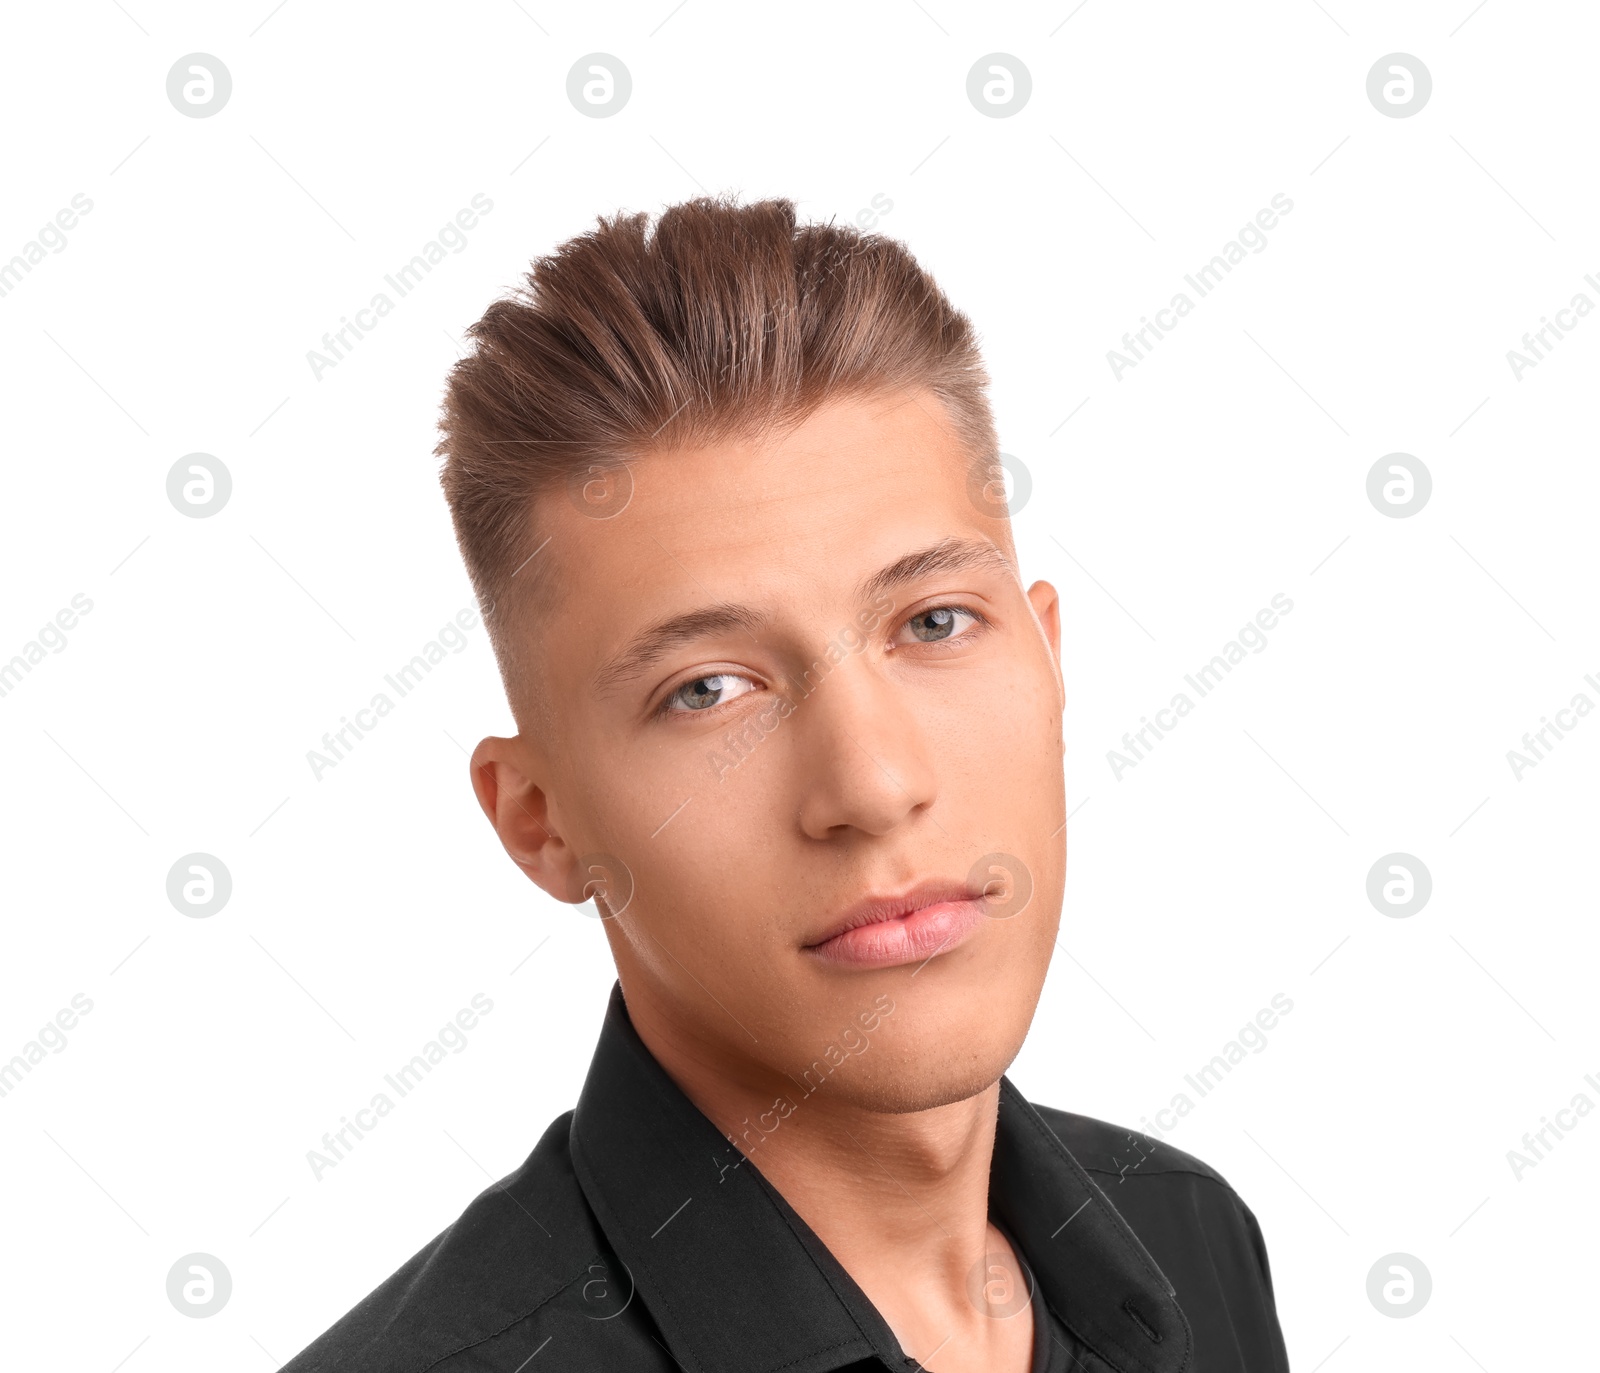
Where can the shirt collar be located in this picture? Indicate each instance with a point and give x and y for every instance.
(737, 1282)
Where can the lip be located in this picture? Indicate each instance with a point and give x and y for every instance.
(909, 927)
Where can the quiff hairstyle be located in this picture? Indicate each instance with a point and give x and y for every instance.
(719, 322)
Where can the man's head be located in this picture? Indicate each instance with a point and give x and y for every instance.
(727, 493)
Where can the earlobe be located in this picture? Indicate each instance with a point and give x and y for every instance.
(518, 809)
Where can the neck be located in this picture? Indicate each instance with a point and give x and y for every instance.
(900, 1199)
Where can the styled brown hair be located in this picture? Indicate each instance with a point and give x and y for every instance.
(725, 321)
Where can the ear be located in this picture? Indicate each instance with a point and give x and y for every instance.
(519, 810)
(1046, 605)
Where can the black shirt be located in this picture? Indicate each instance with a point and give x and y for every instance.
(1051, 1343)
(635, 1237)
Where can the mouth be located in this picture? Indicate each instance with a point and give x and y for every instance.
(911, 927)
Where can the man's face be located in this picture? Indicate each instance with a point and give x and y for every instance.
(844, 725)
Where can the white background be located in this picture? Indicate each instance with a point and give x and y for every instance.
(1230, 865)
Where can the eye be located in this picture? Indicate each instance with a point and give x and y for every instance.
(940, 623)
(704, 692)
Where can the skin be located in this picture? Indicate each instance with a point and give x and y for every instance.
(910, 759)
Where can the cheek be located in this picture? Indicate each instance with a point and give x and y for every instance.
(686, 806)
(694, 850)
(1004, 785)
(999, 730)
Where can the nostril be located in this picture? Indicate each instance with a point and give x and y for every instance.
(1150, 1331)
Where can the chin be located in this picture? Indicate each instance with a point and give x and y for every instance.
(922, 1067)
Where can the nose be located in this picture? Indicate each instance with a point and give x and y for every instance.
(867, 762)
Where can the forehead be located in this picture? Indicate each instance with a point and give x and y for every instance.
(792, 523)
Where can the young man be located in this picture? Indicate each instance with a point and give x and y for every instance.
(726, 486)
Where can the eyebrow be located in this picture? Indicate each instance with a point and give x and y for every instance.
(948, 555)
(655, 641)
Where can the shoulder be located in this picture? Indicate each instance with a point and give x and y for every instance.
(1102, 1147)
(506, 1267)
(1197, 1228)
(1157, 1187)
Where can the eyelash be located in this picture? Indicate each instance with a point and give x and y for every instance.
(664, 710)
